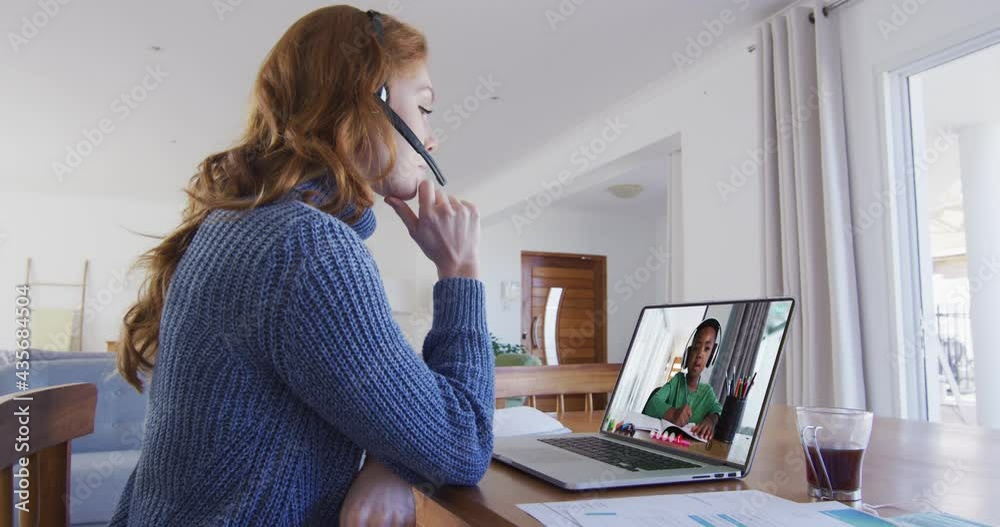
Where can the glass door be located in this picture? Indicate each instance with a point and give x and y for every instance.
(954, 224)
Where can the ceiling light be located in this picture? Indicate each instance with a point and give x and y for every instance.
(625, 190)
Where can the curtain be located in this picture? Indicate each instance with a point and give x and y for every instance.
(740, 343)
(730, 332)
(809, 248)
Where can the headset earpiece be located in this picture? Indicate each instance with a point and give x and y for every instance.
(382, 96)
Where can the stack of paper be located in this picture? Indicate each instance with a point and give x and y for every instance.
(745, 508)
(525, 420)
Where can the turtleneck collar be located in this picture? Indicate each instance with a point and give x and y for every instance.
(364, 227)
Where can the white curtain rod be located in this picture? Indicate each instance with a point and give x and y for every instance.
(812, 17)
(828, 8)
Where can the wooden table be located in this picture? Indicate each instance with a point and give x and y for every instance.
(954, 467)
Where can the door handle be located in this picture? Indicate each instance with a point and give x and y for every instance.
(534, 331)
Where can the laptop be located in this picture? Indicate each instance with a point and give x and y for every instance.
(692, 371)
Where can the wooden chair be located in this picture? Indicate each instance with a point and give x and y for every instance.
(570, 379)
(56, 416)
(675, 368)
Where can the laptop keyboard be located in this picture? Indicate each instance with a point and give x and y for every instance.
(617, 454)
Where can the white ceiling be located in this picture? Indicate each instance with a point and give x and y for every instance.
(652, 201)
(67, 78)
(648, 167)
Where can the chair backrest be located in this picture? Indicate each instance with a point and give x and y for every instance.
(45, 420)
(675, 368)
(119, 422)
(569, 379)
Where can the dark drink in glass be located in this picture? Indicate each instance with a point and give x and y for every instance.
(834, 442)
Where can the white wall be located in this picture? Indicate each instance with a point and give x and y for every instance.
(627, 241)
(878, 36)
(980, 161)
(59, 233)
(403, 265)
(713, 106)
(661, 282)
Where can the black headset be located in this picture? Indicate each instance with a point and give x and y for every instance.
(707, 323)
(382, 96)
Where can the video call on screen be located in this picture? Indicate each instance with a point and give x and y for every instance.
(706, 366)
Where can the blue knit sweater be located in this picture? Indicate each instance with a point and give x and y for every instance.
(279, 363)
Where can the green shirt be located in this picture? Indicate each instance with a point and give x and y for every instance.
(675, 394)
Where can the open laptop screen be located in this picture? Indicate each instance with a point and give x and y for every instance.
(705, 369)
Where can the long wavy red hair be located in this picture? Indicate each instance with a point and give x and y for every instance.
(313, 115)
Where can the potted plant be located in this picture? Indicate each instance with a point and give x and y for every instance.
(506, 355)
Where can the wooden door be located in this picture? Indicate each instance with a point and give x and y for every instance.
(563, 312)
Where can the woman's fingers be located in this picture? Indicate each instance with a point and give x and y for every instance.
(443, 201)
(445, 228)
(456, 204)
(404, 212)
(473, 211)
(426, 194)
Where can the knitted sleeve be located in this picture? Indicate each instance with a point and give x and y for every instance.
(344, 355)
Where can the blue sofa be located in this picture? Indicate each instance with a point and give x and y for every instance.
(102, 461)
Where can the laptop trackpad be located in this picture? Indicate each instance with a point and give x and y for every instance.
(544, 454)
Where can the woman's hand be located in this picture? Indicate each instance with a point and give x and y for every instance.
(446, 229)
(378, 497)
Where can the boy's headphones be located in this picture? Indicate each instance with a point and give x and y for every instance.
(707, 323)
(382, 96)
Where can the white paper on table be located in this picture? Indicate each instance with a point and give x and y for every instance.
(723, 509)
(525, 420)
(547, 516)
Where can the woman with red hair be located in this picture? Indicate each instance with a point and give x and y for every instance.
(273, 360)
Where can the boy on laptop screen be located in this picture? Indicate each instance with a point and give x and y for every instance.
(690, 374)
(688, 404)
(684, 399)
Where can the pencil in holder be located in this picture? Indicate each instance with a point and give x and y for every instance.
(729, 421)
